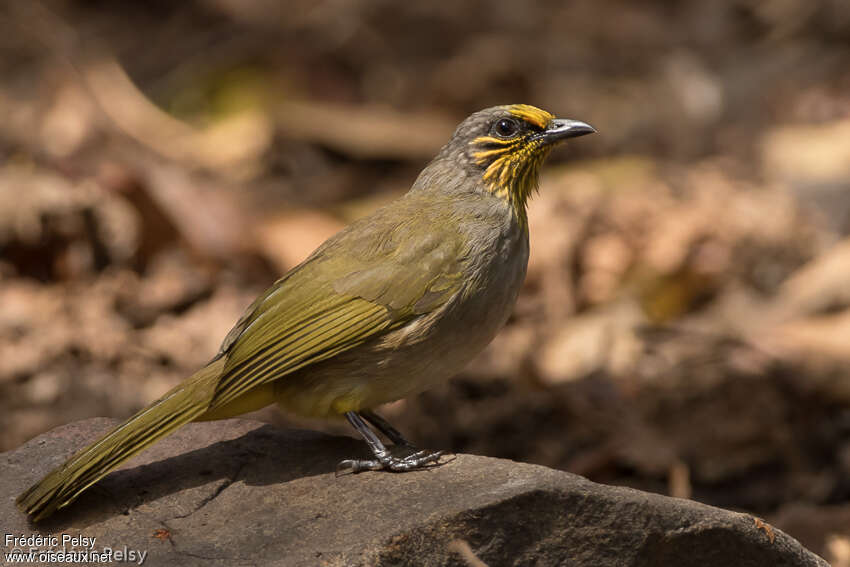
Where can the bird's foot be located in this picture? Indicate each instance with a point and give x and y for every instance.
(387, 461)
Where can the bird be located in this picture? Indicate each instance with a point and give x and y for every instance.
(394, 303)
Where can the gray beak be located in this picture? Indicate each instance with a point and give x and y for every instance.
(561, 129)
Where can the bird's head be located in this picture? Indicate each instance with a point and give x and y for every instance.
(500, 149)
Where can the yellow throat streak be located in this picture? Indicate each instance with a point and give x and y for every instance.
(512, 173)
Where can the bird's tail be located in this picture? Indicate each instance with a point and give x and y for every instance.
(63, 485)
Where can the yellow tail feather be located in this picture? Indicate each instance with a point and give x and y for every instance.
(63, 485)
(254, 399)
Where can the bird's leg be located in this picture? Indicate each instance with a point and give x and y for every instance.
(384, 427)
(383, 458)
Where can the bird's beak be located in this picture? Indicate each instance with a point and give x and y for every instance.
(561, 129)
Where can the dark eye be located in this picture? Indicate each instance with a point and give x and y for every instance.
(506, 128)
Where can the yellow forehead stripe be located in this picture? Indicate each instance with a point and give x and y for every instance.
(531, 114)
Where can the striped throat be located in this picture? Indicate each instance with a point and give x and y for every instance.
(511, 154)
(518, 139)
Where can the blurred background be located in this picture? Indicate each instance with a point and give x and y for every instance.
(685, 324)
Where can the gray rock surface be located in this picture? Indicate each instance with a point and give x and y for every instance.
(239, 492)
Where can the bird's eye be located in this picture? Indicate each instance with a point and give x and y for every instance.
(506, 128)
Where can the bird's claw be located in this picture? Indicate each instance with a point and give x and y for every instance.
(386, 461)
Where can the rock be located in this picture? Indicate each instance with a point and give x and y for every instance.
(239, 492)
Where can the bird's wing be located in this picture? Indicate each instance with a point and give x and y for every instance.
(359, 285)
